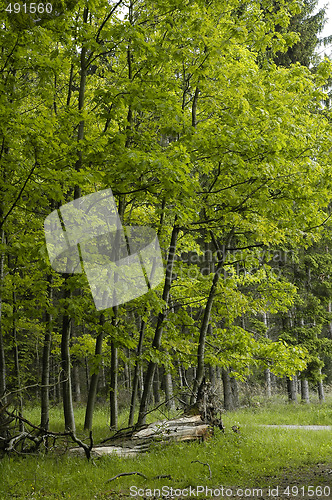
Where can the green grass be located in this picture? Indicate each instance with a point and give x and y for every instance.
(289, 414)
(243, 459)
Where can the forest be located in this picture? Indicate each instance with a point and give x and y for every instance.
(208, 123)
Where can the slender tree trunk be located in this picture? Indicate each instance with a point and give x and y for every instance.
(136, 374)
(114, 387)
(76, 386)
(114, 349)
(235, 392)
(76, 382)
(45, 379)
(67, 396)
(169, 390)
(321, 394)
(267, 372)
(17, 364)
(2, 346)
(305, 391)
(320, 389)
(140, 383)
(329, 310)
(94, 379)
(206, 319)
(291, 390)
(156, 387)
(268, 385)
(66, 322)
(203, 333)
(228, 399)
(159, 328)
(126, 372)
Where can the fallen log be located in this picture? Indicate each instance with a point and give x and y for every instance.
(130, 444)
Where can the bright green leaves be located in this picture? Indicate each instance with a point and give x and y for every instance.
(182, 121)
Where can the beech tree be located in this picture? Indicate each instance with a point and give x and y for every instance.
(169, 105)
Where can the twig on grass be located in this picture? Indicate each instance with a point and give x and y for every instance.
(126, 474)
(163, 476)
(203, 463)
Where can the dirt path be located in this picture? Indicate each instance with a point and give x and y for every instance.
(304, 483)
(304, 427)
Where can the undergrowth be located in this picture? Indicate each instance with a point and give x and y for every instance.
(242, 458)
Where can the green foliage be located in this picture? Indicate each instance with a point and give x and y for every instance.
(181, 119)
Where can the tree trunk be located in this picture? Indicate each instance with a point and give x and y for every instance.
(45, 379)
(66, 323)
(2, 347)
(228, 399)
(291, 390)
(206, 319)
(169, 391)
(76, 386)
(126, 372)
(203, 333)
(94, 379)
(159, 328)
(267, 372)
(305, 391)
(114, 387)
(268, 385)
(156, 384)
(17, 370)
(235, 392)
(320, 389)
(136, 374)
(329, 310)
(68, 409)
(76, 382)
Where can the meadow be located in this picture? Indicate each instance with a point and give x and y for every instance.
(248, 458)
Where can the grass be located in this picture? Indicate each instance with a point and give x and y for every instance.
(287, 414)
(243, 459)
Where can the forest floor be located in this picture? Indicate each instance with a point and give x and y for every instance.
(310, 482)
(306, 482)
(278, 454)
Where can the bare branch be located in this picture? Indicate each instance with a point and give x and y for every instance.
(203, 463)
(126, 474)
